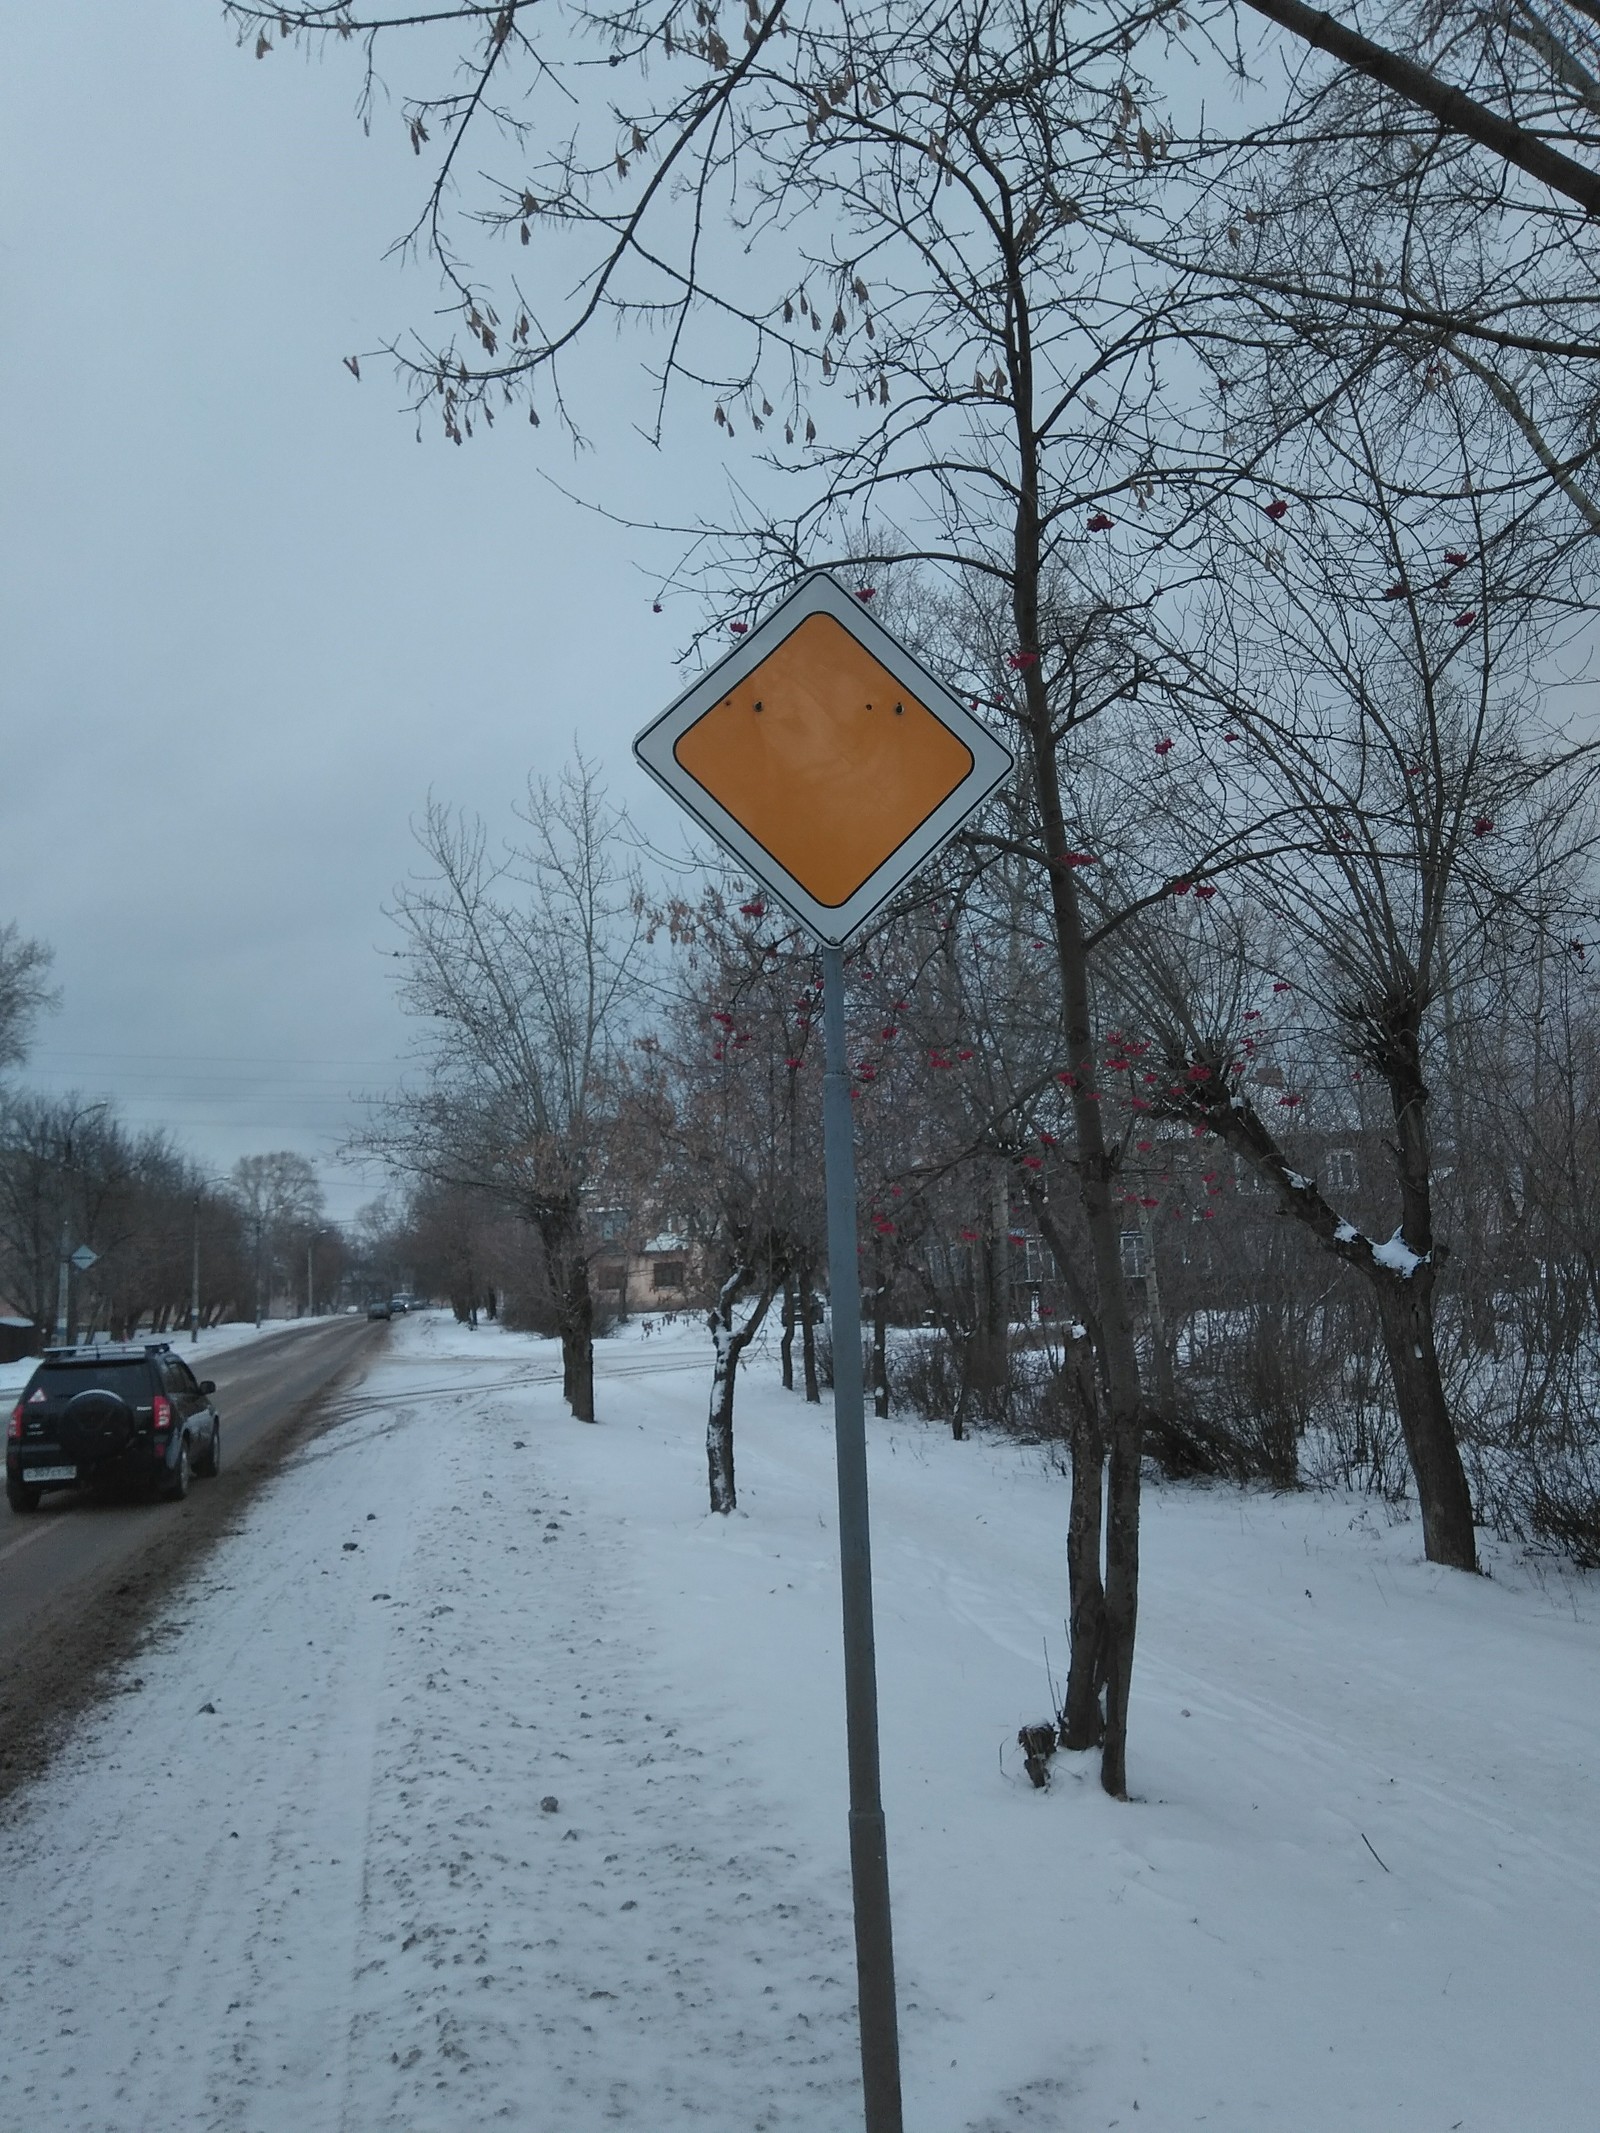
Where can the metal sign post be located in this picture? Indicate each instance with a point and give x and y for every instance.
(831, 764)
(869, 1849)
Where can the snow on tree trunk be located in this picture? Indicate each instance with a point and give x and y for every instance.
(719, 1423)
(729, 1340)
(1400, 1270)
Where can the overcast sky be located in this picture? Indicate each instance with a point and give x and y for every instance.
(247, 622)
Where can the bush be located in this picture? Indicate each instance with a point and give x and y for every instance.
(1530, 1440)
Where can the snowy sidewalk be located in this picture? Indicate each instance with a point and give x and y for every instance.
(340, 1901)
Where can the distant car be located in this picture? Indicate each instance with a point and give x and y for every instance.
(399, 1305)
(380, 1309)
(130, 1414)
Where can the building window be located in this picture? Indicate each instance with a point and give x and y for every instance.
(1135, 1260)
(611, 1277)
(666, 1273)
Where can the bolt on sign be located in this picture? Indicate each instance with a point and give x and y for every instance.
(825, 757)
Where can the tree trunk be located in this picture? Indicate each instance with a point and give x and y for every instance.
(730, 1340)
(1082, 1724)
(1122, 1601)
(567, 1278)
(1405, 1313)
(1113, 1328)
(786, 1345)
(577, 1338)
(808, 1336)
(719, 1423)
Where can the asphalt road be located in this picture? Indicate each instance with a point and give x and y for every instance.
(83, 1582)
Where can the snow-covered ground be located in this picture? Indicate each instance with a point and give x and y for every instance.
(213, 1341)
(485, 1779)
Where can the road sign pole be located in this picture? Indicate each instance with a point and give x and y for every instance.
(869, 1852)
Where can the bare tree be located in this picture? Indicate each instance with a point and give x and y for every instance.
(521, 971)
(24, 994)
(1369, 684)
(279, 1200)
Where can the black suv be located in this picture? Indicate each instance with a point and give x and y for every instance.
(101, 1415)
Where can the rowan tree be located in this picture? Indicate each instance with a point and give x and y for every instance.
(977, 281)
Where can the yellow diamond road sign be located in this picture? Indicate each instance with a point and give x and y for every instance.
(825, 758)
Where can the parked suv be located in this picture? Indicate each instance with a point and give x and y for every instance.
(99, 1415)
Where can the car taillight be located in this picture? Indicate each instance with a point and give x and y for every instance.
(14, 1426)
(160, 1413)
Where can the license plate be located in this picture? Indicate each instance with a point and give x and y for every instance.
(37, 1474)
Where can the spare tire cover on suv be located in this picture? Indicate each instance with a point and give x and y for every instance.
(95, 1424)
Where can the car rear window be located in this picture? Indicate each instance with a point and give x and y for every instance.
(61, 1381)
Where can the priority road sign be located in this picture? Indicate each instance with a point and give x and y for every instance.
(825, 757)
(83, 1258)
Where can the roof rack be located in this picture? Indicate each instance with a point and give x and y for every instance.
(96, 1351)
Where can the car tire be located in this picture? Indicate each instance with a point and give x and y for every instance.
(209, 1462)
(178, 1485)
(20, 1497)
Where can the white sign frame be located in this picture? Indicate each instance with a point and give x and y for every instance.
(822, 594)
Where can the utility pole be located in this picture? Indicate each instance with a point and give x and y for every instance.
(311, 1245)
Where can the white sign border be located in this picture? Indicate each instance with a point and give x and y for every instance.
(822, 594)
